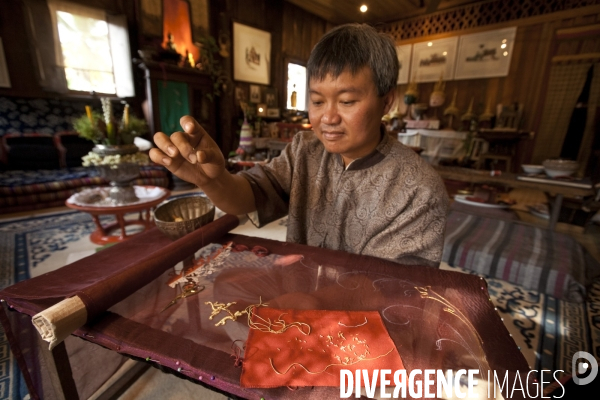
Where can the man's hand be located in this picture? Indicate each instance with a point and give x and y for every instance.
(191, 155)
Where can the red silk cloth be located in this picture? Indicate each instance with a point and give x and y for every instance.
(337, 340)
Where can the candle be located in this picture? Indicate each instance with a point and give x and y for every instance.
(88, 111)
(126, 115)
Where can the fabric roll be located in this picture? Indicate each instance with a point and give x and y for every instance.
(57, 322)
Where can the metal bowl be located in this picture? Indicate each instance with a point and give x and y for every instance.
(178, 217)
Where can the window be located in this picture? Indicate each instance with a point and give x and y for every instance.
(93, 49)
(296, 83)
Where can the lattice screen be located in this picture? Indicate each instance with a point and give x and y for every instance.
(476, 15)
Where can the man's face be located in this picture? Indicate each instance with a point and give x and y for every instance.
(345, 113)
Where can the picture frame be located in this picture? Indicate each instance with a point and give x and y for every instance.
(433, 59)
(251, 54)
(273, 113)
(270, 97)
(486, 54)
(255, 96)
(404, 53)
(4, 76)
(241, 94)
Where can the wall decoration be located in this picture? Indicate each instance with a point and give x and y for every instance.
(273, 113)
(254, 94)
(151, 16)
(433, 59)
(270, 97)
(199, 16)
(241, 94)
(404, 52)
(4, 77)
(486, 54)
(251, 54)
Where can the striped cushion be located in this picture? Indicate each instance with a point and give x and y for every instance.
(534, 258)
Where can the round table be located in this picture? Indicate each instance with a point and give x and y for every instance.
(102, 234)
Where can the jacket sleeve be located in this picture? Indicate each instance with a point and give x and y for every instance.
(271, 185)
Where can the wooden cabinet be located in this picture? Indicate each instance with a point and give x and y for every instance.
(199, 85)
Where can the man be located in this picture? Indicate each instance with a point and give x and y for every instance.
(345, 186)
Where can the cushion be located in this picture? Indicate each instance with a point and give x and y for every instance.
(532, 257)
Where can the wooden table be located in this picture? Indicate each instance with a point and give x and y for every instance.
(102, 234)
(510, 180)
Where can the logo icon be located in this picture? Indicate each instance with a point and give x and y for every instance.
(581, 367)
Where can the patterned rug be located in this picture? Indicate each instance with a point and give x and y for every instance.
(548, 331)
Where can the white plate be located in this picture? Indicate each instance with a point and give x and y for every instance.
(462, 198)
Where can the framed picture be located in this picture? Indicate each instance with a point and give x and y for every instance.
(4, 77)
(241, 94)
(433, 59)
(251, 54)
(404, 52)
(273, 113)
(254, 94)
(485, 55)
(270, 97)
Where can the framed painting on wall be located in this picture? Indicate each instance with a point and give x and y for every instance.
(404, 52)
(251, 54)
(255, 96)
(4, 77)
(486, 54)
(433, 59)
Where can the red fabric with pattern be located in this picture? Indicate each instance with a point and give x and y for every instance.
(291, 358)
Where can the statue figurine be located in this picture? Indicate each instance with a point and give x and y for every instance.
(410, 97)
(170, 43)
(469, 118)
(438, 96)
(294, 97)
(452, 111)
(485, 119)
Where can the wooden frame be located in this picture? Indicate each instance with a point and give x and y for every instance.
(486, 54)
(433, 59)
(404, 53)
(4, 77)
(251, 54)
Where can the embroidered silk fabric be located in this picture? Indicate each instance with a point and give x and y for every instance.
(347, 339)
(389, 204)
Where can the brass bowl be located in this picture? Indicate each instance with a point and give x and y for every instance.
(178, 217)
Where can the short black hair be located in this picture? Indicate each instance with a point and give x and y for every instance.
(352, 47)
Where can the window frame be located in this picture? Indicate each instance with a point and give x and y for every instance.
(287, 94)
(114, 23)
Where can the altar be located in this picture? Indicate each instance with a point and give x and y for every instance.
(436, 319)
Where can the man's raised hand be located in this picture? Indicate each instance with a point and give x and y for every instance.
(191, 155)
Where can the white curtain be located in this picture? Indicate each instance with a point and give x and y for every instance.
(121, 55)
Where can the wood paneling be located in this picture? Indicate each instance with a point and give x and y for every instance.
(527, 81)
(294, 32)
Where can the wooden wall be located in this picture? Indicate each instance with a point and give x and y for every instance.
(526, 83)
(20, 56)
(294, 32)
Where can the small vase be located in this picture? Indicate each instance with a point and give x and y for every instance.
(246, 138)
(120, 176)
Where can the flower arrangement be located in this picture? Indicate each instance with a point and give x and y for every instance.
(103, 129)
(96, 159)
